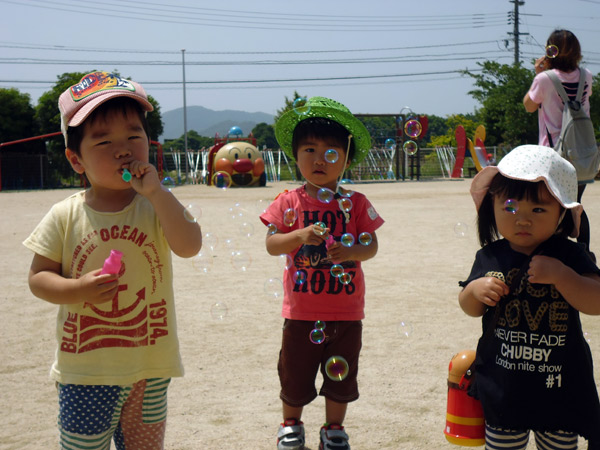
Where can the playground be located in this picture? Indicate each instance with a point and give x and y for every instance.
(230, 325)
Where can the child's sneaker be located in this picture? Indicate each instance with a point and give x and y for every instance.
(290, 435)
(333, 437)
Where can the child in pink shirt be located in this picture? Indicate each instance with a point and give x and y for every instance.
(328, 231)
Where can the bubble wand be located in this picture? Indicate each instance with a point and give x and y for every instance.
(126, 175)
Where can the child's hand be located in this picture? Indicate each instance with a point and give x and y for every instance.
(309, 236)
(144, 177)
(540, 65)
(489, 290)
(339, 253)
(544, 269)
(95, 288)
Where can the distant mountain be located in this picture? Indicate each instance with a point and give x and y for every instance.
(207, 122)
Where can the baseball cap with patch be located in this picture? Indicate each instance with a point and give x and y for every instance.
(81, 99)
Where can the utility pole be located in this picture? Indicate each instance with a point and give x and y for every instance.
(185, 142)
(515, 32)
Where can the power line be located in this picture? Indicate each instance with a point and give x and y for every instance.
(28, 46)
(394, 59)
(365, 25)
(287, 80)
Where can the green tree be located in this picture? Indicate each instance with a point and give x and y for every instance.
(437, 126)
(265, 136)
(17, 120)
(154, 118)
(447, 137)
(194, 140)
(289, 104)
(380, 128)
(500, 90)
(595, 105)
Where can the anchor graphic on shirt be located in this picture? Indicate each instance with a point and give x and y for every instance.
(115, 311)
(110, 329)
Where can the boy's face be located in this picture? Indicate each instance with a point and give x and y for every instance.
(108, 144)
(314, 165)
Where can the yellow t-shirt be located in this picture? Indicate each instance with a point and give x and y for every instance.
(134, 336)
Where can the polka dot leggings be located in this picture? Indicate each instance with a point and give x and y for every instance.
(135, 416)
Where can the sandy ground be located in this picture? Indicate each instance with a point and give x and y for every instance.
(228, 398)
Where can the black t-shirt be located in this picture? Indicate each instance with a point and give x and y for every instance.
(534, 369)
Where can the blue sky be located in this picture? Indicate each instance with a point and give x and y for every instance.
(375, 56)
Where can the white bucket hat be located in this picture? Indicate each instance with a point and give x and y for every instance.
(535, 163)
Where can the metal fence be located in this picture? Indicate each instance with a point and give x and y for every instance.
(30, 171)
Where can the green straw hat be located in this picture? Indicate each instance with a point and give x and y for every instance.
(327, 109)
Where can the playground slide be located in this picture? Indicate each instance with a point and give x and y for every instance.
(480, 154)
(461, 143)
(474, 155)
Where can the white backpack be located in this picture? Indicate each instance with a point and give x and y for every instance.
(576, 141)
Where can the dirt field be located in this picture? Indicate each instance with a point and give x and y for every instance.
(228, 398)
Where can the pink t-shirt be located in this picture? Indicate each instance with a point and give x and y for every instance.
(542, 91)
(322, 296)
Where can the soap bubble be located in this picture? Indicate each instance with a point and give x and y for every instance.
(345, 278)
(390, 143)
(365, 238)
(285, 261)
(241, 260)
(261, 206)
(344, 181)
(229, 245)
(345, 204)
(168, 182)
(336, 270)
(236, 211)
(461, 229)
(210, 240)
(407, 111)
(301, 106)
(405, 329)
(587, 337)
(319, 228)
(218, 310)
(336, 368)
(410, 147)
(246, 229)
(325, 195)
(289, 217)
(551, 51)
(347, 240)
(271, 229)
(511, 206)
(317, 336)
(274, 288)
(299, 277)
(331, 156)
(203, 261)
(320, 325)
(221, 180)
(413, 128)
(347, 193)
(192, 213)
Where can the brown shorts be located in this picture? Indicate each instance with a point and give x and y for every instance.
(300, 359)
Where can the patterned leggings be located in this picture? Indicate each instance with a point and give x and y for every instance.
(500, 439)
(135, 416)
